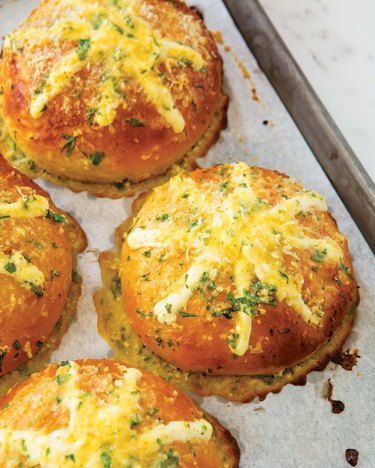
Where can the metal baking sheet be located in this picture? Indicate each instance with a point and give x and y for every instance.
(337, 159)
(295, 427)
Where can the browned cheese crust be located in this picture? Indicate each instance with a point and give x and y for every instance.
(110, 98)
(308, 265)
(38, 297)
(45, 402)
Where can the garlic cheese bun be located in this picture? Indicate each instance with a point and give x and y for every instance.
(104, 413)
(235, 272)
(102, 96)
(38, 246)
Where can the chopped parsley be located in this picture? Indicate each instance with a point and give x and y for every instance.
(96, 158)
(106, 459)
(135, 421)
(115, 286)
(16, 345)
(70, 457)
(319, 255)
(37, 244)
(204, 277)
(56, 217)
(133, 122)
(90, 115)
(83, 48)
(146, 277)
(232, 340)
(345, 269)
(172, 461)
(41, 86)
(63, 378)
(223, 186)
(147, 253)
(38, 292)
(129, 22)
(10, 267)
(285, 276)
(70, 144)
(162, 218)
(55, 274)
(186, 314)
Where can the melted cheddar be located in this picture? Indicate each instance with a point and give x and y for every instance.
(19, 268)
(26, 206)
(106, 431)
(231, 228)
(111, 38)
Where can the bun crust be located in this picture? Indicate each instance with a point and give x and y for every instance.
(106, 125)
(38, 245)
(32, 406)
(284, 344)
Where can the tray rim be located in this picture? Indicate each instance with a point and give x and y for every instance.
(335, 156)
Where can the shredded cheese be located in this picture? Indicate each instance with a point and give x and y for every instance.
(107, 429)
(116, 37)
(231, 225)
(26, 206)
(25, 273)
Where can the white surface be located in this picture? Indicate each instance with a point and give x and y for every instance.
(296, 427)
(333, 41)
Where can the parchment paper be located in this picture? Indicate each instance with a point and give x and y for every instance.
(295, 427)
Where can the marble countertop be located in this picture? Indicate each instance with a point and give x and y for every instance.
(333, 41)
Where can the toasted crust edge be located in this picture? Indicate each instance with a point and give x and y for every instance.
(226, 445)
(37, 362)
(116, 189)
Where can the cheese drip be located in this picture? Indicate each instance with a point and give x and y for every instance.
(234, 227)
(26, 206)
(100, 429)
(16, 266)
(125, 46)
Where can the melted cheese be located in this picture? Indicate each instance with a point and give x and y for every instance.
(16, 266)
(233, 226)
(100, 429)
(26, 206)
(117, 39)
(166, 310)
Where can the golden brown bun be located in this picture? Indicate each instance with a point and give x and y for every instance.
(43, 404)
(29, 314)
(283, 345)
(64, 142)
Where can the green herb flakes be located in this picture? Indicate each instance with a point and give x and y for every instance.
(319, 255)
(133, 122)
(83, 48)
(10, 267)
(56, 217)
(16, 345)
(63, 378)
(106, 459)
(70, 144)
(115, 286)
(162, 218)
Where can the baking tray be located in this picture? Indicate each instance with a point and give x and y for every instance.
(295, 427)
(341, 165)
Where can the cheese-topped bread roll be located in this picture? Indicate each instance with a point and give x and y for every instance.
(103, 413)
(38, 297)
(231, 271)
(103, 95)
